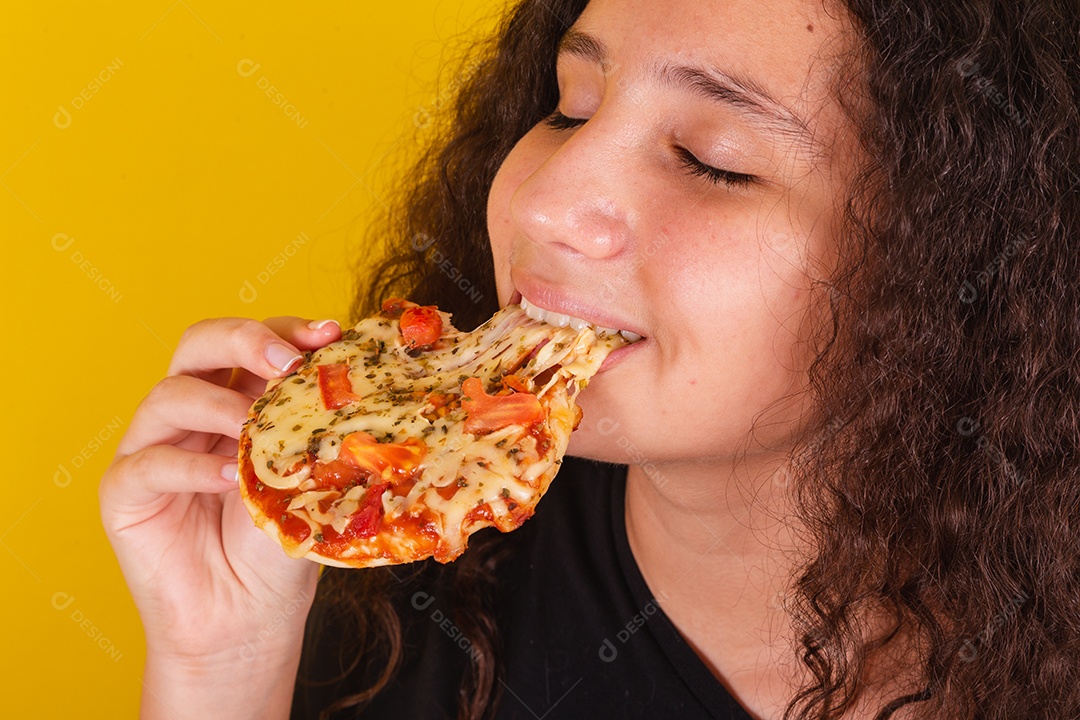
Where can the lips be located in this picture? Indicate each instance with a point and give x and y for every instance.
(547, 303)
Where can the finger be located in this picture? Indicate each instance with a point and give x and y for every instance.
(145, 476)
(210, 345)
(209, 444)
(180, 405)
(305, 334)
(226, 447)
(250, 385)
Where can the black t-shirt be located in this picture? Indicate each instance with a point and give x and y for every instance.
(582, 636)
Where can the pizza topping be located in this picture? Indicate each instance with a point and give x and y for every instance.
(514, 383)
(368, 516)
(420, 327)
(387, 461)
(407, 456)
(335, 387)
(393, 307)
(486, 413)
(439, 405)
(337, 474)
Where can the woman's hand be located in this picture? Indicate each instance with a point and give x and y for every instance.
(221, 604)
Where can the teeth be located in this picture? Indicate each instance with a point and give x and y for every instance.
(552, 318)
(561, 320)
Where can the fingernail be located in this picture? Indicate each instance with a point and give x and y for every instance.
(282, 357)
(320, 324)
(231, 473)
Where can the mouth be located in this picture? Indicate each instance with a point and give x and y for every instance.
(563, 320)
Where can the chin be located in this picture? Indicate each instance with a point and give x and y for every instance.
(588, 444)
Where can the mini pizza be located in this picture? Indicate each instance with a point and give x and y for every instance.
(399, 441)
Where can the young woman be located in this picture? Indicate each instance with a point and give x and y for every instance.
(838, 478)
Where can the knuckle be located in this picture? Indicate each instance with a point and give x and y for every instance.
(165, 391)
(228, 404)
(196, 330)
(110, 478)
(245, 334)
(220, 326)
(285, 326)
(143, 463)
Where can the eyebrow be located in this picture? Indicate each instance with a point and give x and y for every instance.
(710, 83)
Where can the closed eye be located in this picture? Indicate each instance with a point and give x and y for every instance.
(717, 176)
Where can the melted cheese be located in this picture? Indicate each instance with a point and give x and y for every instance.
(501, 470)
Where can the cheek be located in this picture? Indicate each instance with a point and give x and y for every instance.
(729, 355)
(521, 163)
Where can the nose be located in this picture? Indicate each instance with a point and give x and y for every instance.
(579, 200)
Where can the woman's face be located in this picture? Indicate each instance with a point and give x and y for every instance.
(616, 222)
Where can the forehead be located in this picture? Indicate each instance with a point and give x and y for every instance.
(787, 48)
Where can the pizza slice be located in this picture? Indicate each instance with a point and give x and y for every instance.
(399, 441)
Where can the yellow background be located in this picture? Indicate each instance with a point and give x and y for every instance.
(175, 189)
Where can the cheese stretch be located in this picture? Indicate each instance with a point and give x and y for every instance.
(506, 470)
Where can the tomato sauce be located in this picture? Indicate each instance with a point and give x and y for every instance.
(421, 532)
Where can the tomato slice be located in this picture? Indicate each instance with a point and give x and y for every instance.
(337, 474)
(439, 400)
(515, 383)
(393, 307)
(392, 462)
(420, 326)
(335, 386)
(487, 413)
(365, 523)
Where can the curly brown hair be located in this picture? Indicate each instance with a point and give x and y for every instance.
(941, 489)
